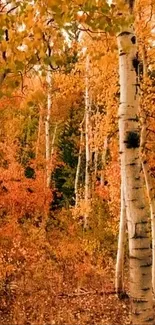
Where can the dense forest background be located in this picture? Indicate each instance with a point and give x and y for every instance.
(59, 157)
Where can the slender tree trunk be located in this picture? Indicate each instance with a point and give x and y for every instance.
(96, 150)
(47, 131)
(95, 165)
(39, 131)
(53, 140)
(88, 156)
(78, 168)
(119, 275)
(134, 192)
(104, 155)
(52, 150)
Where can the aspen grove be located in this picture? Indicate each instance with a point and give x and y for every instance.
(77, 162)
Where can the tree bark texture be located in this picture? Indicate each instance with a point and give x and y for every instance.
(134, 192)
(76, 189)
(47, 131)
(87, 141)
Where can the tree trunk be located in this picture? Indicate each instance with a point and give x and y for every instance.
(52, 151)
(39, 130)
(104, 155)
(78, 168)
(119, 276)
(47, 131)
(53, 140)
(88, 156)
(134, 192)
(95, 166)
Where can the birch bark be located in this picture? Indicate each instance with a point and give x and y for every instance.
(88, 156)
(53, 140)
(135, 200)
(103, 158)
(78, 168)
(39, 130)
(47, 131)
(95, 166)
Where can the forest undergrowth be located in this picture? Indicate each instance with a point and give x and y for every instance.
(59, 274)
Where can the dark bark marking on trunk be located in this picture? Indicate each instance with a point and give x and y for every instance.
(150, 319)
(142, 208)
(146, 265)
(141, 249)
(145, 289)
(138, 236)
(139, 301)
(134, 119)
(135, 258)
(133, 39)
(142, 221)
(132, 140)
(136, 313)
(137, 178)
(124, 33)
(135, 63)
(122, 53)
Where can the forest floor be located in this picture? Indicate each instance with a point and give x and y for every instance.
(94, 304)
(47, 287)
(90, 308)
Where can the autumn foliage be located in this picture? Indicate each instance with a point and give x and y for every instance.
(52, 269)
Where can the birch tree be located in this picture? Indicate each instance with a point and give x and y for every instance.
(47, 130)
(78, 167)
(103, 160)
(134, 192)
(87, 143)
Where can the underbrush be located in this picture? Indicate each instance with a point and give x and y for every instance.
(39, 264)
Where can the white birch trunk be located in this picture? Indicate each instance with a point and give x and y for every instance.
(88, 157)
(47, 131)
(148, 180)
(94, 148)
(78, 169)
(39, 130)
(119, 275)
(53, 140)
(104, 154)
(134, 192)
(52, 149)
(95, 165)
